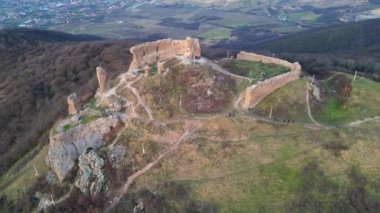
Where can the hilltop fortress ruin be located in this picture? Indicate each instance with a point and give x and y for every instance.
(91, 127)
(151, 53)
(148, 54)
(88, 128)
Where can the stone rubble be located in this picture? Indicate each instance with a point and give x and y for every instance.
(116, 155)
(91, 178)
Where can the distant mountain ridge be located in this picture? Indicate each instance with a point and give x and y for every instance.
(283, 3)
(11, 37)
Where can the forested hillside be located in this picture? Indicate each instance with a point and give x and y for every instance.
(38, 70)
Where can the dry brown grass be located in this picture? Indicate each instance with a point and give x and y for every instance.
(264, 169)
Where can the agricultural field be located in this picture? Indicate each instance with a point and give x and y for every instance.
(216, 34)
(302, 16)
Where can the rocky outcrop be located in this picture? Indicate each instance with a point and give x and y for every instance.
(66, 147)
(154, 52)
(91, 178)
(116, 156)
(113, 102)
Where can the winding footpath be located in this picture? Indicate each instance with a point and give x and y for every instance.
(137, 94)
(149, 166)
(308, 105)
(218, 68)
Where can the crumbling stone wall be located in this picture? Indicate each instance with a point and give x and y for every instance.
(150, 53)
(257, 92)
(268, 60)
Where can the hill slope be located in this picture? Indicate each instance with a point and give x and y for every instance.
(359, 36)
(38, 70)
(347, 48)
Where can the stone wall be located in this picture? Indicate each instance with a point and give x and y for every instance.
(256, 93)
(268, 60)
(154, 52)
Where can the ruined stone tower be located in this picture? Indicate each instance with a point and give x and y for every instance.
(74, 104)
(151, 53)
(160, 68)
(192, 47)
(102, 79)
(146, 70)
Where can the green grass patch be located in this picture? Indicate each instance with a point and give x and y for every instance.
(275, 186)
(288, 102)
(270, 171)
(88, 119)
(217, 34)
(92, 105)
(302, 16)
(17, 181)
(363, 102)
(67, 127)
(253, 69)
(153, 69)
(83, 120)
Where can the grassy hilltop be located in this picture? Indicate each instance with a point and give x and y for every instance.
(186, 142)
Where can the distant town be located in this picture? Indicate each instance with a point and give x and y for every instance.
(44, 13)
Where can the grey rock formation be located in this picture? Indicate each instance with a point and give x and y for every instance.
(140, 207)
(44, 204)
(65, 147)
(316, 93)
(116, 155)
(91, 177)
(114, 103)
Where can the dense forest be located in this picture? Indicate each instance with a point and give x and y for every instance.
(39, 69)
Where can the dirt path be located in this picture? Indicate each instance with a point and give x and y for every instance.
(189, 129)
(122, 80)
(308, 105)
(137, 94)
(48, 202)
(238, 100)
(359, 122)
(218, 68)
